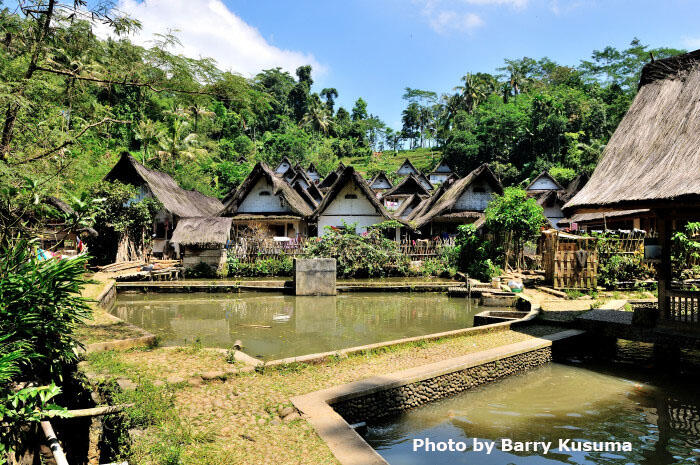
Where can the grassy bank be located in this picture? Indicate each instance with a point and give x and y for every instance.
(183, 418)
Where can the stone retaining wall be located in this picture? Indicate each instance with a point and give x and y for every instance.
(392, 401)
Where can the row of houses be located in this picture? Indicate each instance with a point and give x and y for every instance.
(289, 203)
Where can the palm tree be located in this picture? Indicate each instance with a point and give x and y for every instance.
(317, 118)
(148, 132)
(178, 144)
(330, 94)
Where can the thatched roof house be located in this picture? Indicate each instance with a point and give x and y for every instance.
(463, 202)
(328, 181)
(380, 182)
(543, 182)
(349, 200)
(640, 219)
(266, 200)
(407, 206)
(176, 200)
(407, 168)
(425, 182)
(653, 158)
(312, 173)
(283, 166)
(410, 185)
(204, 232)
(440, 173)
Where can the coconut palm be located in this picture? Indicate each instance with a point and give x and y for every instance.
(148, 132)
(178, 144)
(317, 118)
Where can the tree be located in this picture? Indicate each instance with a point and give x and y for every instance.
(514, 218)
(359, 110)
(148, 132)
(330, 94)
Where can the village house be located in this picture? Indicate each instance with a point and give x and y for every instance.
(350, 201)
(441, 173)
(283, 166)
(266, 204)
(652, 162)
(407, 168)
(407, 206)
(380, 183)
(312, 173)
(177, 202)
(462, 202)
(203, 240)
(551, 196)
(410, 185)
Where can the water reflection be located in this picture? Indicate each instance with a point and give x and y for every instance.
(659, 417)
(276, 325)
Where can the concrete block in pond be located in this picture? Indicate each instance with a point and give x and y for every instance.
(314, 276)
(498, 299)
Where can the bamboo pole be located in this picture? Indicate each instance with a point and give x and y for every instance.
(54, 445)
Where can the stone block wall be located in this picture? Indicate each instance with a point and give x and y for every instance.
(397, 399)
(314, 276)
(193, 256)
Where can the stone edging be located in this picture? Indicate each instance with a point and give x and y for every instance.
(408, 388)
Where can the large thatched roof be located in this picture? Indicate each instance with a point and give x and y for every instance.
(408, 186)
(202, 231)
(279, 187)
(176, 200)
(444, 200)
(412, 202)
(653, 158)
(349, 174)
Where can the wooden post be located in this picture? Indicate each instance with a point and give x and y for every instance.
(664, 269)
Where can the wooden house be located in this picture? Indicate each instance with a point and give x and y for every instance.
(351, 201)
(410, 185)
(203, 240)
(440, 173)
(265, 202)
(328, 181)
(312, 173)
(407, 168)
(652, 162)
(380, 182)
(462, 202)
(641, 219)
(177, 202)
(544, 182)
(283, 166)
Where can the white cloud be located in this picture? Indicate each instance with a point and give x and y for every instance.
(207, 28)
(691, 43)
(445, 20)
(513, 3)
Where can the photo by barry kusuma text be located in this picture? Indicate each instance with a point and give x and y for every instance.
(510, 445)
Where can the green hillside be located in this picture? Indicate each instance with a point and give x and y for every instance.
(424, 159)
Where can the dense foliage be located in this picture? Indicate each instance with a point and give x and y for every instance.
(366, 255)
(685, 252)
(474, 254)
(262, 267)
(40, 306)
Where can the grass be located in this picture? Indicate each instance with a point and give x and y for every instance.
(92, 333)
(424, 159)
(236, 421)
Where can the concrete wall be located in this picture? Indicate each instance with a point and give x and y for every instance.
(438, 178)
(470, 200)
(405, 170)
(314, 276)
(256, 203)
(381, 184)
(554, 214)
(391, 401)
(351, 210)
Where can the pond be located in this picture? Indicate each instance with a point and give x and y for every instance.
(273, 325)
(658, 417)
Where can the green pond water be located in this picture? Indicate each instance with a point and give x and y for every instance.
(273, 326)
(659, 417)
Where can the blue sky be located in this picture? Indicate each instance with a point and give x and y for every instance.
(376, 48)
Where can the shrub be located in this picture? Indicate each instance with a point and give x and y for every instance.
(370, 254)
(618, 268)
(474, 254)
(281, 266)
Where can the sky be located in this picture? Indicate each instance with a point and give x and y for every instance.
(375, 48)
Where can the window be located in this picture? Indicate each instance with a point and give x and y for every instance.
(350, 196)
(264, 193)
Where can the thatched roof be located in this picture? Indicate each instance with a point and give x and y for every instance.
(425, 181)
(350, 175)
(280, 166)
(409, 185)
(312, 172)
(413, 201)
(175, 199)
(304, 194)
(653, 158)
(380, 177)
(574, 187)
(598, 216)
(544, 175)
(59, 205)
(314, 192)
(279, 187)
(442, 168)
(329, 180)
(444, 200)
(408, 165)
(202, 231)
